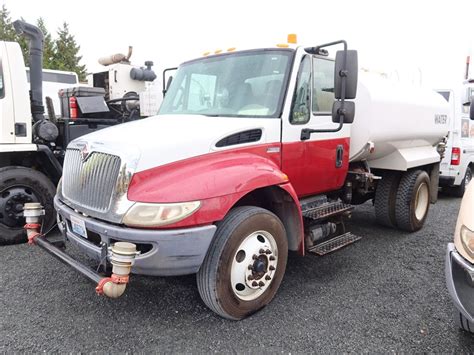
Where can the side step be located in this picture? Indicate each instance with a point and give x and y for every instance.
(324, 211)
(334, 244)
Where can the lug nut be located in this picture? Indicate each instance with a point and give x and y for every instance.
(272, 257)
(250, 277)
(250, 267)
(255, 284)
(268, 278)
(268, 251)
(261, 251)
(261, 283)
(254, 256)
(272, 268)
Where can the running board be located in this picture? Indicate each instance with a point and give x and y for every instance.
(325, 211)
(334, 244)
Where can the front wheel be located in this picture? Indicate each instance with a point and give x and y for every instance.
(245, 263)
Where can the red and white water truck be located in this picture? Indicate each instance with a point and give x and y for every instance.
(254, 153)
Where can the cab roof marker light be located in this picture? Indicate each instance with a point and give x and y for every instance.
(282, 45)
(231, 49)
(218, 51)
(205, 54)
(292, 38)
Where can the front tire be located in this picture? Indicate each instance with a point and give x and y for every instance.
(245, 263)
(19, 185)
(463, 322)
(413, 200)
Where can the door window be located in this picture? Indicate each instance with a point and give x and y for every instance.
(323, 85)
(300, 108)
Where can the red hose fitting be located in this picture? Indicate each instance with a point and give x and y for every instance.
(116, 279)
(31, 232)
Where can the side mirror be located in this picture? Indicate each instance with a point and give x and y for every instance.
(471, 110)
(349, 72)
(348, 112)
(168, 83)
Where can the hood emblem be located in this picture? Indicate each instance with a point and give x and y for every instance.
(85, 153)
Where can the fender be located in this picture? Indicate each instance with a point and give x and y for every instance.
(217, 179)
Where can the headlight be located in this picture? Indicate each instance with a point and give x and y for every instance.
(158, 214)
(467, 239)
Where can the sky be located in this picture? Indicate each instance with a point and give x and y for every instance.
(413, 41)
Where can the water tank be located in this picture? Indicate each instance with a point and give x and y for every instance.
(390, 116)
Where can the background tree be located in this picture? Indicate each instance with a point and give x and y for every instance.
(7, 32)
(67, 53)
(48, 46)
(61, 53)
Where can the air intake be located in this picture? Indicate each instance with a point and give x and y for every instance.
(249, 136)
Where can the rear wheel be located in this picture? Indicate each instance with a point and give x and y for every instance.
(458, 191)
(385, 199)
(413, 200)
(245, 263)
(19, 185)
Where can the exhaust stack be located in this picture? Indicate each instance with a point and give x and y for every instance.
(35, 37)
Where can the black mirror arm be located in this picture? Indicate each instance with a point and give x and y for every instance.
(306, 132)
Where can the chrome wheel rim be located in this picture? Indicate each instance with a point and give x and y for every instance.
(254, 265)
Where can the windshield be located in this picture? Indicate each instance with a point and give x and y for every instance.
(249, 84)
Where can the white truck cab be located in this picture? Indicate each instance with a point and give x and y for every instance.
(457, 166)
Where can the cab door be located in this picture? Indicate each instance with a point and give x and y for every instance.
(320, 163)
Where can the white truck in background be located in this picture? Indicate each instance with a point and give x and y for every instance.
(32, 145)
(457, 167)
(254, 153)
(55, 80)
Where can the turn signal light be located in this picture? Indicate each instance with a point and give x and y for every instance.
(456, 156)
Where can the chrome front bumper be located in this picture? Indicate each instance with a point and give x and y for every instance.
(460, 282)
(168, 252)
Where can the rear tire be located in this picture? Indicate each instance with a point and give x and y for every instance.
(463, 322)
(245, 263)
(385, 199)
(19, 185)
(413, 200)
(458, 191)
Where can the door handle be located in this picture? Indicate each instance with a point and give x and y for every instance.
(339, 155)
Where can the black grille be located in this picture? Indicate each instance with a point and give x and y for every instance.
(249, 136)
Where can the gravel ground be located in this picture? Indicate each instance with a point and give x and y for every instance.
(385, 293)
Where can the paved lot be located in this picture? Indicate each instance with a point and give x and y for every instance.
(384, 293)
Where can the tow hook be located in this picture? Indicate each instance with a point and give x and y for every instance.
(32, 212)
(122, 259)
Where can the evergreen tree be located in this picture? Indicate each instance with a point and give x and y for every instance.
(66, 53)
(7, 32)
(48, 46)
